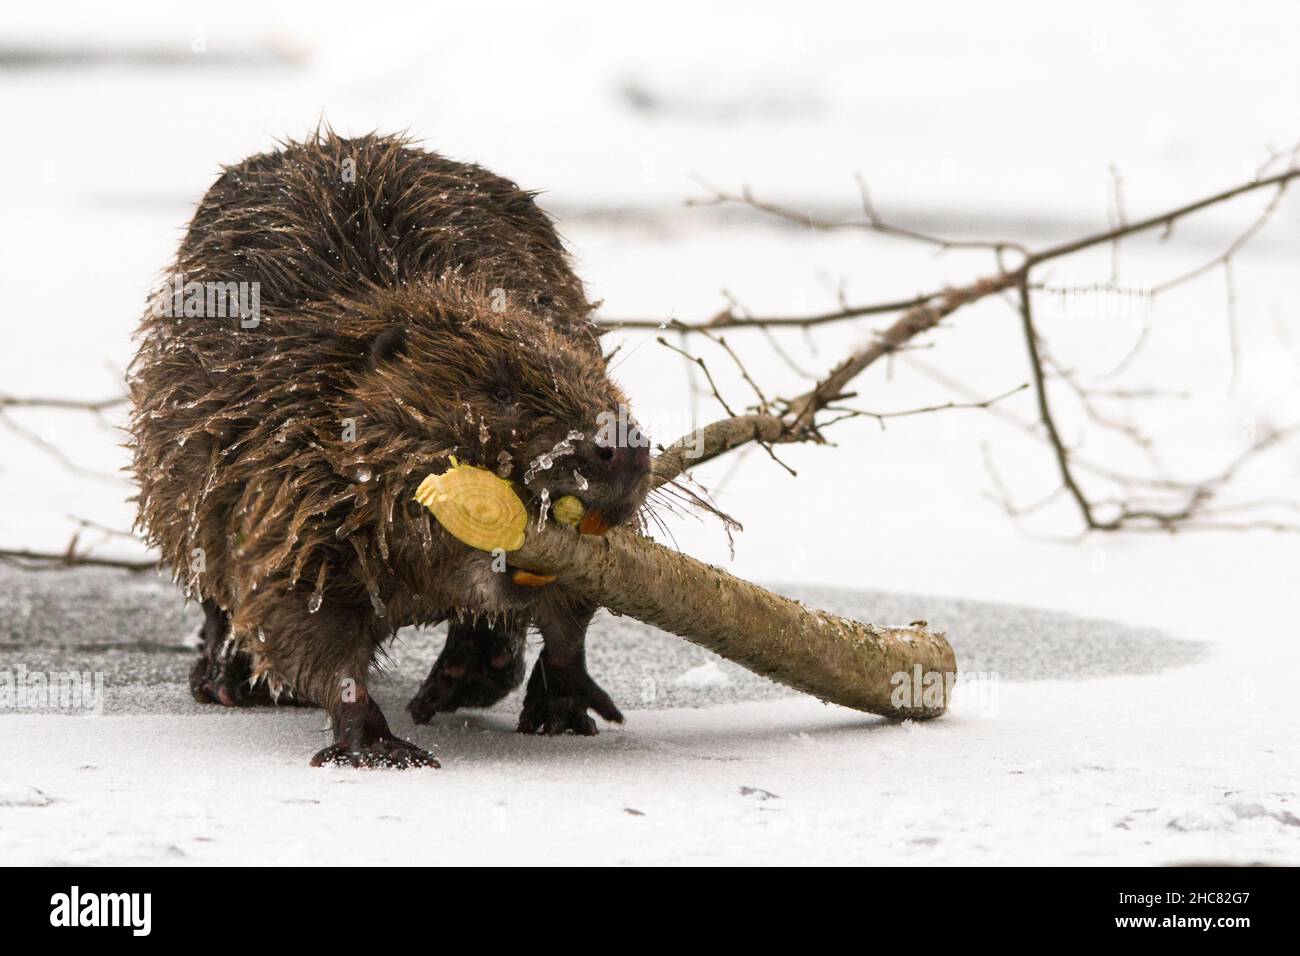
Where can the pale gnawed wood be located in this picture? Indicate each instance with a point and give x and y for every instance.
(476, 506)
(833, 658)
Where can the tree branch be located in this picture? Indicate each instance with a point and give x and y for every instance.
(727, 319)
(798, 420)
(836, 659)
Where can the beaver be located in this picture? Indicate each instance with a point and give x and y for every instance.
(406, 308)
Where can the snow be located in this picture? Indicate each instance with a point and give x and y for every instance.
(1196, 763)
(961, 123)
(708, 674)
(17, 795)
(1129, 770)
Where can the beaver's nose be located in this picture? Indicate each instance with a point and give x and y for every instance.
(633, 458)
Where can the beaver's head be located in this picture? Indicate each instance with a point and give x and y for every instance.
(499, 386)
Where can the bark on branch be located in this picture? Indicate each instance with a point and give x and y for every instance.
(835, 659)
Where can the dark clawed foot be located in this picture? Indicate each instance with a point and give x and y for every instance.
(391, 752)
(224, 679)
(362, 738)
(468, 674)
(558, 699)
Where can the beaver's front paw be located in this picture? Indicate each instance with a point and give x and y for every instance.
(467, 674)
(558, 699)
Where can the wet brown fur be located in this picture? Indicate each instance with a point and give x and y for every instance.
(401, 301)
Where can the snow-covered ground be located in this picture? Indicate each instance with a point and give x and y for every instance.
(1066, 775)
(965, 120)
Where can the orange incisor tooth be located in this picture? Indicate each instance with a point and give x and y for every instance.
(529, 580)
(593, 523)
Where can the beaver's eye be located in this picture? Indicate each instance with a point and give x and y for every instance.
(503, 394)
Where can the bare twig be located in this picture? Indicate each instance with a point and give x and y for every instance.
(1045, 411)
(872, 221)
(1194, 511)
(54, 451)
(1165, 220)
(727, 320)
(703, 366)
(50, 560)
(13, 401)
(881, 417)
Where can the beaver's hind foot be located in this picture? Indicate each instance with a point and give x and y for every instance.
(366, 741)
(392, 752)
(481, 663)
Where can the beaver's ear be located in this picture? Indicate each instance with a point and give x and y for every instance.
(387, 345)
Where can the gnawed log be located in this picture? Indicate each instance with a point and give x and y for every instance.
(868, 667)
